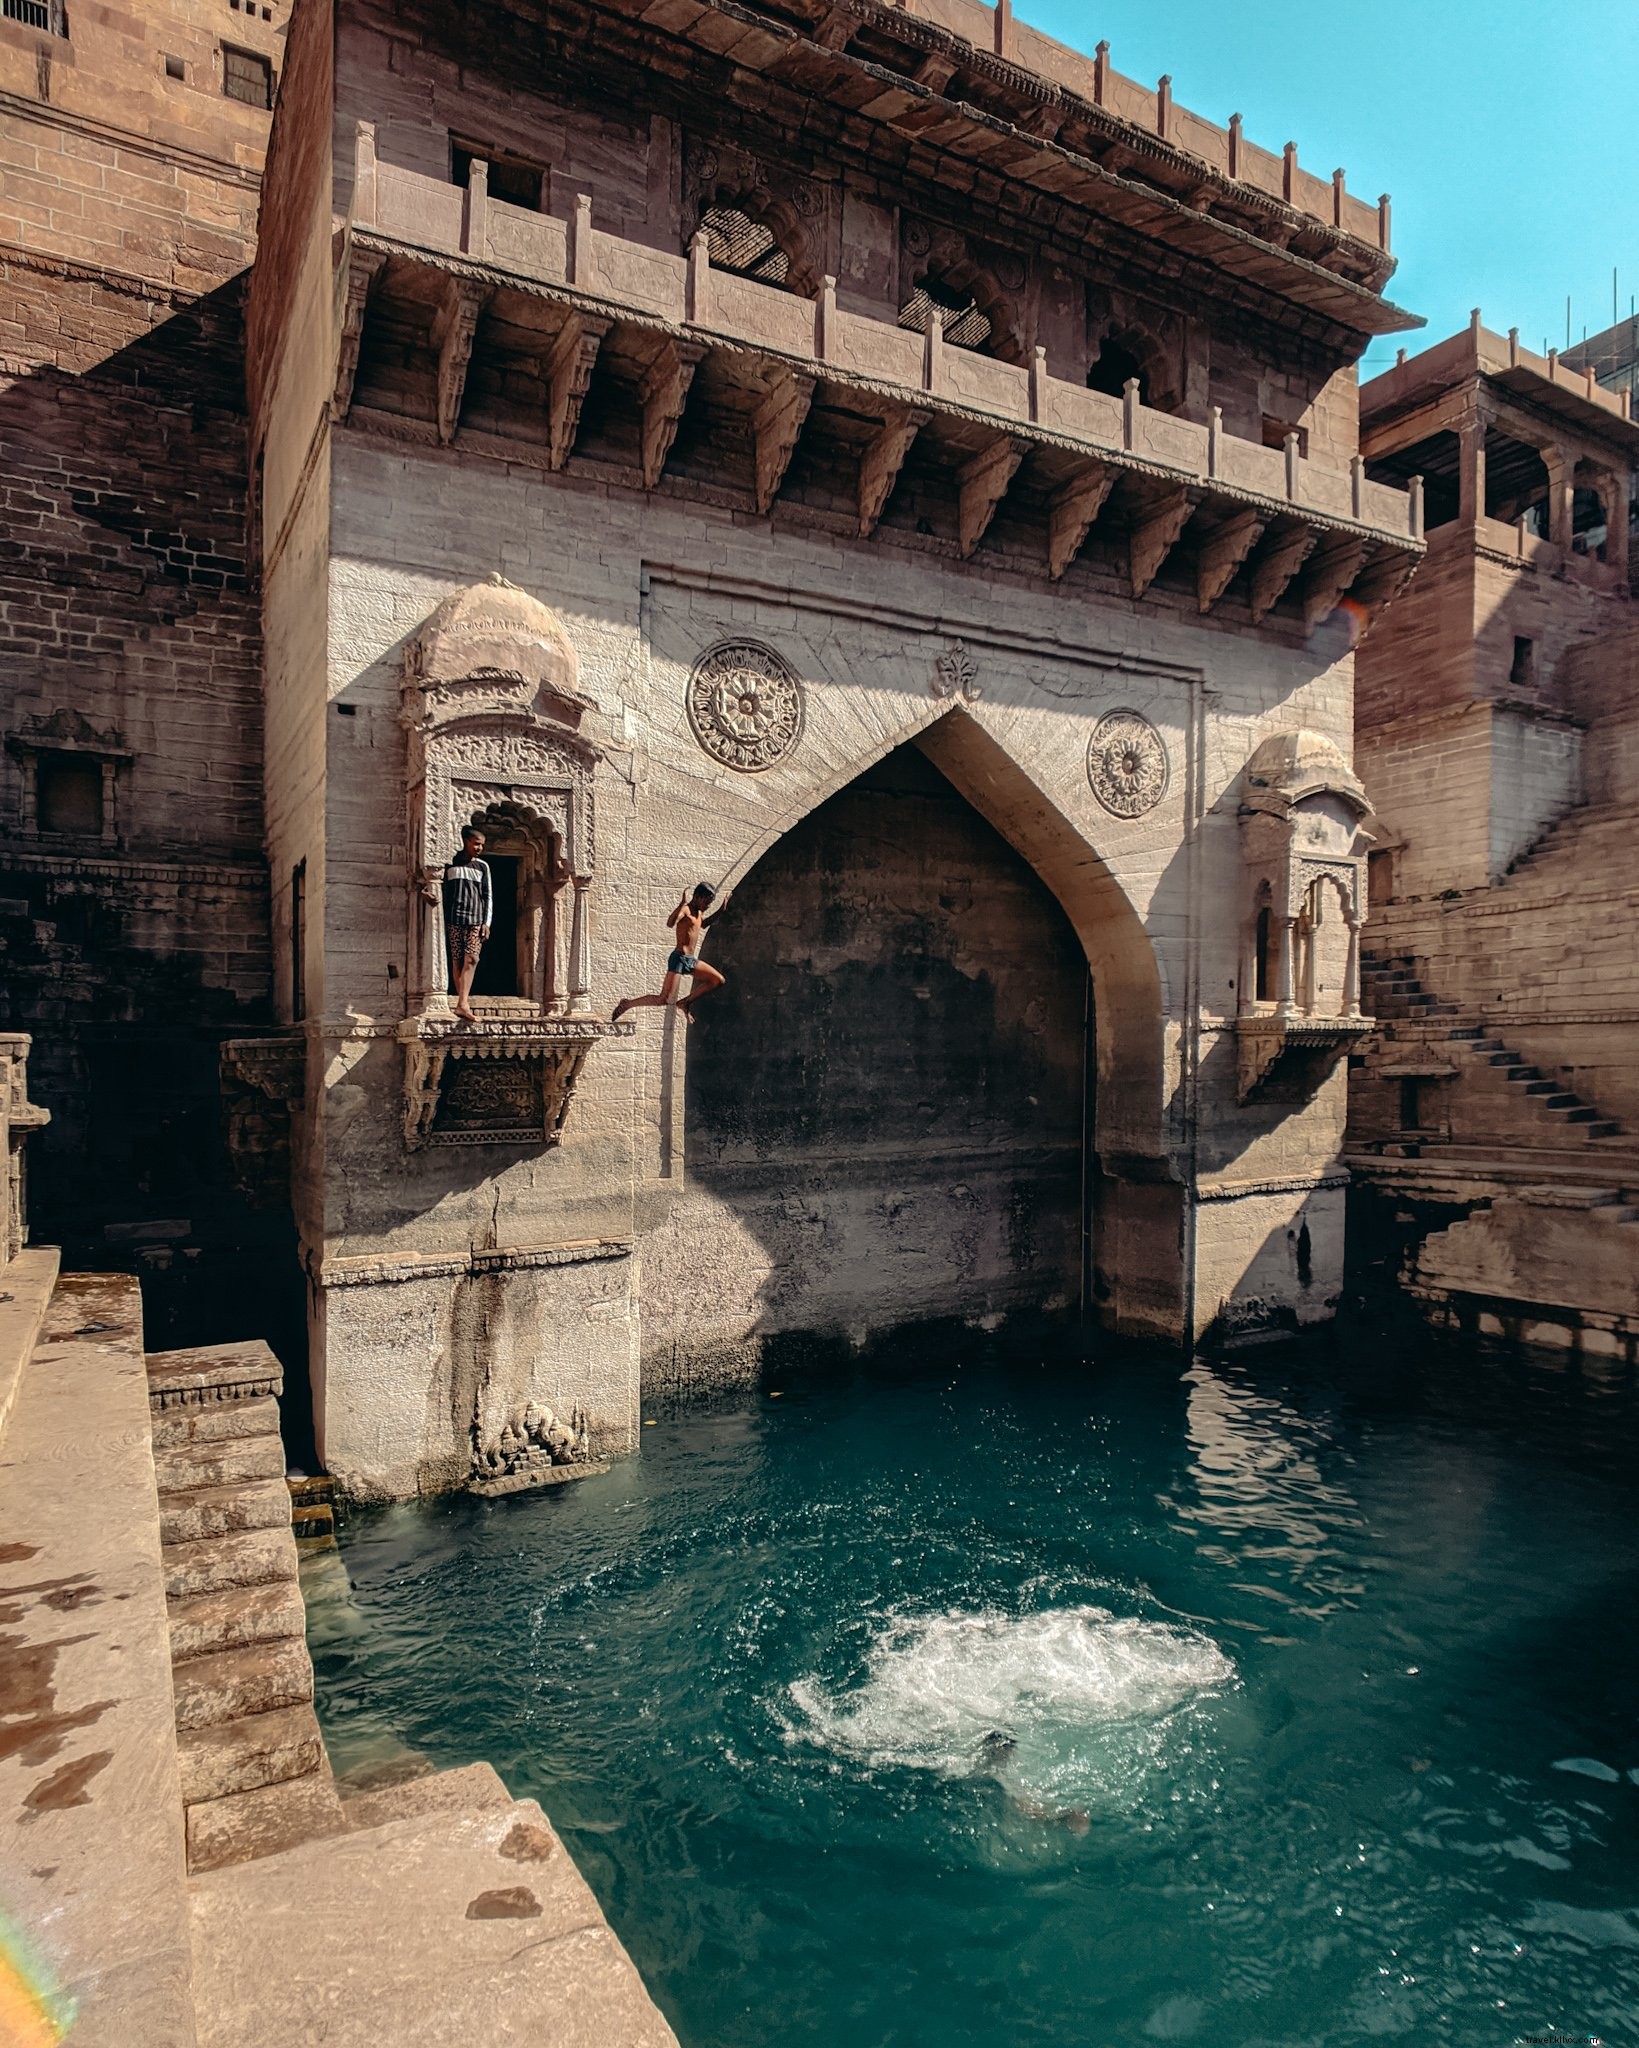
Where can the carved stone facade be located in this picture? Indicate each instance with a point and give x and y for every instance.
(1305, 840)
(682, 498)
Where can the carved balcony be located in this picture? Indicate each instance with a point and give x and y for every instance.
(457, 277)
(500, 1081)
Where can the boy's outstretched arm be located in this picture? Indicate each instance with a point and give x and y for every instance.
(682, 905)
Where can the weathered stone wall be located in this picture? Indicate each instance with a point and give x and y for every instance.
(133, 925)
(645, 586)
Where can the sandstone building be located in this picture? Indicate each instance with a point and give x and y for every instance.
(1497, 708)
(875, 460)
(905, 474)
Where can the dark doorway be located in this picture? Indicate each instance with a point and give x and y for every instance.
(498, 963)
(889, 1093)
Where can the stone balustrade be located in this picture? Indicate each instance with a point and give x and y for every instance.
(819, 338)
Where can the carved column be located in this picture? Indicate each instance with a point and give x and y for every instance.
(1351, 972)
(1615, 494)
(580, 952)
(1471, 472)
(1283, 967)
(1561, 495)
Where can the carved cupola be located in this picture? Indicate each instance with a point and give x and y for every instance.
(1304, 839)
(492, 705)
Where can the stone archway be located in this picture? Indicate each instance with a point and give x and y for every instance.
(934, 1087)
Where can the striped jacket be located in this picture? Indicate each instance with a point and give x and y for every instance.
(468, 897)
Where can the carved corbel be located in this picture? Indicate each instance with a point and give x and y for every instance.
(835, 29)
(569, 366)
(881, 461)
(1223, 552)
(363, 267)
(1283, 555)
(663, 394)
(775, 426)
(935, 72)
(1071, 511)
(1382, 581)
(1333, 567)
(455, 325)
(1154, 534)
(423, 1076)
(981, 485)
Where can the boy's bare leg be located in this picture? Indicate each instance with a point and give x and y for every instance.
(464, 977)
(706, 980)
(668, 988)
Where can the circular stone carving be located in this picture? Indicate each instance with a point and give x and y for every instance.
(1127, 764)
(745, 705)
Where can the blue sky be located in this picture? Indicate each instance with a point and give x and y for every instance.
(1504, 131)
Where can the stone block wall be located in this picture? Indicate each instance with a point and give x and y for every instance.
(133, 893)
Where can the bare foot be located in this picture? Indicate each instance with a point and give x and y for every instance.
(620, 1010)
(466, 1016)
(684, 1011)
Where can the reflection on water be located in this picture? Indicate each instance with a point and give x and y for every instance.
(1000, 1700)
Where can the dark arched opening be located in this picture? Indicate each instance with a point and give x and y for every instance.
(1115, 366)
(889, 1095)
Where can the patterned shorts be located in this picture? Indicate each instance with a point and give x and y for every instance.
(466, 942)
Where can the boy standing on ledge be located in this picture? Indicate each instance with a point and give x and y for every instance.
(469, 904)
(688, 921)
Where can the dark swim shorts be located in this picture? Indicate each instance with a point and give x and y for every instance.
(682, 963)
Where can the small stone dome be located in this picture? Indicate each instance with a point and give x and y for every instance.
(1302, 763)
(496, 631)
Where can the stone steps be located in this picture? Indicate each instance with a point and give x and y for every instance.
(255, 1777)
(446, 1911)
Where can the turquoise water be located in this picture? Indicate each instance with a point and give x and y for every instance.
(1006, 1699)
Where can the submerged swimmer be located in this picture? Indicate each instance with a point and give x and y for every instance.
(996, 1761)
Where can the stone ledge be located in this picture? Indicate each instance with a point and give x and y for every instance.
(385, 1271)
(25, 1294)
(545, 1475)
(213, 1372)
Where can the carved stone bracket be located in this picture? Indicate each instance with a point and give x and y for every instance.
(1282, 557)
(506, 1082)
(956, 674)
(1332, 568)
(883, 458)
(568, 375)
(982, 483)
(775, 427)
(1287, 1058)
(262, 1081)
(1155, 532)
(363, 266)
(663, 394)
(1222, 554)
(455, 326)
(1070, 514)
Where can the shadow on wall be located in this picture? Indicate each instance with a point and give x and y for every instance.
(134, 922)
(888, 1095)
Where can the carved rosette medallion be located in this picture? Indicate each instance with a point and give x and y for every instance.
(1127, 764)
(745, 706)
(956, 674)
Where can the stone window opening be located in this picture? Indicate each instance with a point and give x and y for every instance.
(50, 15)
(1276, 430)
(1264, 953)
(1437, 459)
(1411, 1103)
(1516, 483)
(512, 179)
(962, 322)
(1325, 943)
(69, 795)
(739, 242)
(1590, 517)
(525, 962)
(1380, 874)
(298, 941)
(1523, 673)
(247, 77)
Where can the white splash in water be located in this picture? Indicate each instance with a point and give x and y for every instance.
(1069, 1703)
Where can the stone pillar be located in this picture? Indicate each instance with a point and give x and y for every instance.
(1616, 519)
(1471, 472)
(1283, 966)
(1351, 972)
(1561, 494)
(580, 952)
(431, 988)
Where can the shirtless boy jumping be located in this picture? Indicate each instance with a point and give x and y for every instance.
(689, 922)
